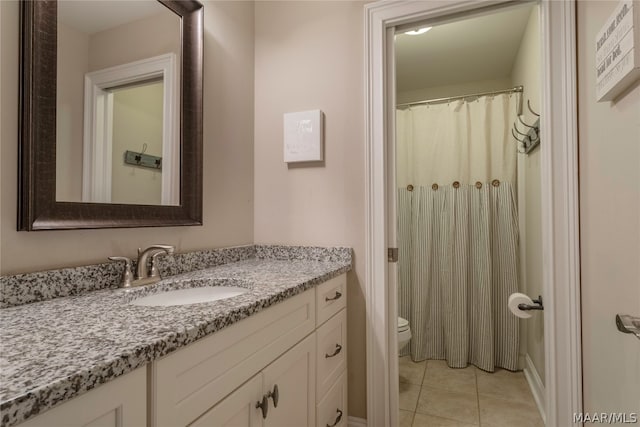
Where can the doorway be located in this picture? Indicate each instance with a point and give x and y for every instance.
(559, 275)
(469, 230)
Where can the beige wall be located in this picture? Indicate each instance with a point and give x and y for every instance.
(310, 55)
(526, 72)
(151, 36)
(609, 144)
(137, 125)
(73, 63)
(453, 90)
(228, 155)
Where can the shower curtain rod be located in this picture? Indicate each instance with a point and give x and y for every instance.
(517, 89)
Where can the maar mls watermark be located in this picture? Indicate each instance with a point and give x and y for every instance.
(606, 417)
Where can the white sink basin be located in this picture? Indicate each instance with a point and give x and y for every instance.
(190, 296)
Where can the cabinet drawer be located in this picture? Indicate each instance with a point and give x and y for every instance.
(331, 354)
(331, 297)
(332, 410)
(192, 380)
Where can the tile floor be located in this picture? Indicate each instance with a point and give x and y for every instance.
(434, 395)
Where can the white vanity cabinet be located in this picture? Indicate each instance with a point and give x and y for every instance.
(257, 403)
(283, 366)
(118, 403)
(331, 354)
(192, 380)
(298, 345)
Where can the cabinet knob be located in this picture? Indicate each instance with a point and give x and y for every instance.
(333, 298)
(338, 418)
(335, 353)
(264, 405)
(275, 395)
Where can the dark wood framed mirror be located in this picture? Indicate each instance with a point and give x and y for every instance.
(38, 206)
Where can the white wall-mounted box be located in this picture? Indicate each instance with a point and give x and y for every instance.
(303, 136)
(618, 51)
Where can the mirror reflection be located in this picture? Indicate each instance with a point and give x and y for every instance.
(118, 94)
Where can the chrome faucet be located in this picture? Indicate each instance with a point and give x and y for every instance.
(146, 272)
(143, 270)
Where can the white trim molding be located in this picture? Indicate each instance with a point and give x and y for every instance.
(561, 288)
(536, 386)
(560, 214)
(356, 422)
(98, 111)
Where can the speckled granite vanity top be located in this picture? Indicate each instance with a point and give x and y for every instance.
(54, 350)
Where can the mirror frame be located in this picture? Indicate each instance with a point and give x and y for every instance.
(37, 205)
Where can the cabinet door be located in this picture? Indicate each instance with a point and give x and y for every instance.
(294, 375)
(236, 410)
(119, 403)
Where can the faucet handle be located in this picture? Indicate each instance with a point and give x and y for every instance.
(127, 274)
(154, 270)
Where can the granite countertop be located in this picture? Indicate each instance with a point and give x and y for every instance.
(54, 350)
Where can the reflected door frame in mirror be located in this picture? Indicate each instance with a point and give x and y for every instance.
(37, 205)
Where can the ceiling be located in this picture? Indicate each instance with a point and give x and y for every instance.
(92, 16)
(479, 48)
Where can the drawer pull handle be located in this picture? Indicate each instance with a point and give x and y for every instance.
(335, 423)
(275, 395)
(264, 405)
(337, 296)
(335, 353)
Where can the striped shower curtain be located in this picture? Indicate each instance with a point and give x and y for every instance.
(458, 240)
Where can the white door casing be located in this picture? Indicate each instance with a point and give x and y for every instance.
(563, 379)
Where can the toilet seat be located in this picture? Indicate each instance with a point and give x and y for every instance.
(403, 324)
(404, 333)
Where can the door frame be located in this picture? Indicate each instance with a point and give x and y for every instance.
(560, 208)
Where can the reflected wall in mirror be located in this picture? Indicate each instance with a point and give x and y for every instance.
(117, 92)
(110, 114)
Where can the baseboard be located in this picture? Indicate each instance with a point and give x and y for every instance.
(535, 383)
(356, 422)
(522, 363)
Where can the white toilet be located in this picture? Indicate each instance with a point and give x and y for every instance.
(404, 332)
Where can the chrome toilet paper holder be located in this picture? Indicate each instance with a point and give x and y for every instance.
(538, 305)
